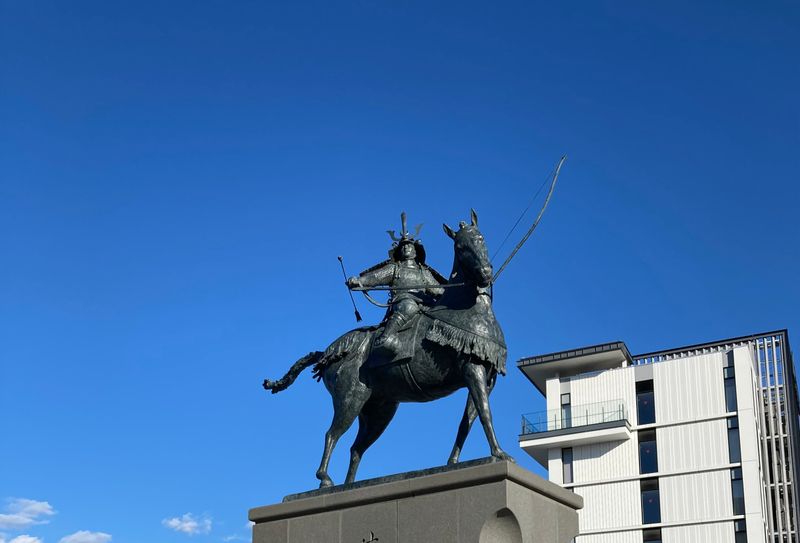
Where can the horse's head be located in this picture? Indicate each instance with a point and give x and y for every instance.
(471, 256)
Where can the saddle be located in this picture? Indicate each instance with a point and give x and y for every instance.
(407, 336)
(490, 350)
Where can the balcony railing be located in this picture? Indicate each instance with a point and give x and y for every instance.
(574, 416)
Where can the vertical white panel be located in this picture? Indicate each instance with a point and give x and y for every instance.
(719, 532)
(603, 461)
(633, 536)
(692, 446)
(689, 388)
(696, 496)
(746, 377)
(754, 499)
(756, 528)
(553, 393)
(613, 384)
(610, 505)
(555, 473)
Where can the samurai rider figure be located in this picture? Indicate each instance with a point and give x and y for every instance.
(405, 268)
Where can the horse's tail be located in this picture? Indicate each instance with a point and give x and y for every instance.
(284, 382)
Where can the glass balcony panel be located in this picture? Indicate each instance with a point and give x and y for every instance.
(575, 416)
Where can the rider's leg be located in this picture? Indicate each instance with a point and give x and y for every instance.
(402, 311)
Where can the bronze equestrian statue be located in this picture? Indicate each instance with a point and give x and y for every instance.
(455, 343)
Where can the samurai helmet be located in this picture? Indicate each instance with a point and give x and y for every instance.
(405, 238)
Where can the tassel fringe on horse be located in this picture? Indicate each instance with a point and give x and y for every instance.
(483, 348)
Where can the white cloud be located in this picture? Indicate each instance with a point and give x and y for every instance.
(24, 539)
(188, 524)
(236, 537)
(22, 513)
(83, 536)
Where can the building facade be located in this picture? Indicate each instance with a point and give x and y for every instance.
(695, 444)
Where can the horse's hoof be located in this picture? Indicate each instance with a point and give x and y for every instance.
(451, 461)
(325, 482)
(502, 455)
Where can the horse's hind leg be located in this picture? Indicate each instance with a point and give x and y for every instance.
(348, 401)
(470, 413)
(372, 421)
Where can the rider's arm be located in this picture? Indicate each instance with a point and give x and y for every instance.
(381, 276)
(431, 280)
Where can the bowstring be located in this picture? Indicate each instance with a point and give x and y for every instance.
(535, 223)
(524, 212)
(502, 244)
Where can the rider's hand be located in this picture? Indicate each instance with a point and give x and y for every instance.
(353, 282)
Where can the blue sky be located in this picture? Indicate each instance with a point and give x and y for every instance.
(177, 179)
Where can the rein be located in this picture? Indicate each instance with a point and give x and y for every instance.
(373, 301)
(412, 287)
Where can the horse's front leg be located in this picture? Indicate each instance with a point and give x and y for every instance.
(470, 414)
(475, 376)
(463, 430)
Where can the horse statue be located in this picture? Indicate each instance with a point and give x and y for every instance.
(456, 343)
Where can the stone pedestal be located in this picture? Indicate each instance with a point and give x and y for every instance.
(474, 502)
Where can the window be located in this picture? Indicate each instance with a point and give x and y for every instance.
(566, 465)
(734, 451)
(740, 529)
(737, 489)
(648, 453)
(566, 411)
(653, 535)
(730, 388)
(651, 505)
(645, 402)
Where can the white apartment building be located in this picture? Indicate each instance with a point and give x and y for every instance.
(692, 445)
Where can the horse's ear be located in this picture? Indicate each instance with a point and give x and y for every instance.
(449, 231)
(474, 217)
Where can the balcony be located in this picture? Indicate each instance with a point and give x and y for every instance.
(572, 426)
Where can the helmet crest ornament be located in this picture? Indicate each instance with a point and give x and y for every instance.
(405, 235)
